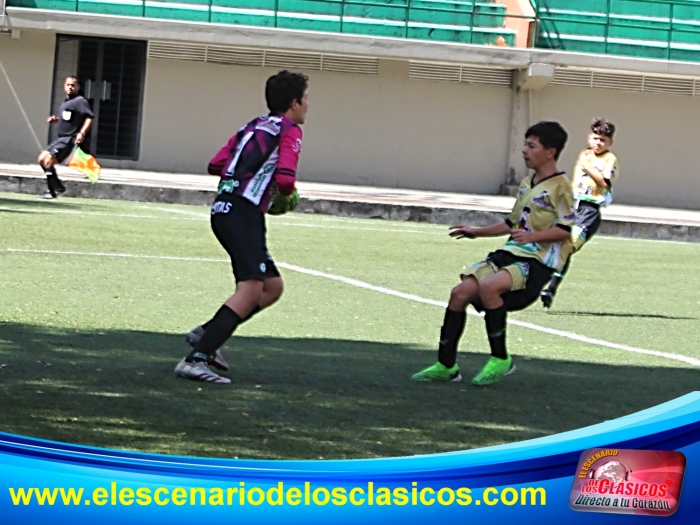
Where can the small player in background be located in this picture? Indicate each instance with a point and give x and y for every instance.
(596, 170)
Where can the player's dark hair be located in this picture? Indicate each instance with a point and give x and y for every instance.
(73, 77)
(550, 135)
(600, 126)
(284, 88)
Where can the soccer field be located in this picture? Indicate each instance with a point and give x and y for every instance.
(96, 297)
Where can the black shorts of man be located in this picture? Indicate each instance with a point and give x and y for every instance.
(257, 166)
(512, 277)
(596, 171)
(74, 121)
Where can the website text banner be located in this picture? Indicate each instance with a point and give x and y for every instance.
(531, 481)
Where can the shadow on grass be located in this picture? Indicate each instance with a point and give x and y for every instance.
(297, 398)
(618, 314)
(23, 202)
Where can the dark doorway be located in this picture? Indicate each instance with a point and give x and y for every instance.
(112, 77)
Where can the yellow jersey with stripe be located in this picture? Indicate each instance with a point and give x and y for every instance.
(539, 207)
(585, 188)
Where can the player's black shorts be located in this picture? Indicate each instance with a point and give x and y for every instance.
(587, 222)
(61, 148)
(538, 276)
(239, 226)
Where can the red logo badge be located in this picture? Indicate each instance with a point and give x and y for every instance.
(643, 482)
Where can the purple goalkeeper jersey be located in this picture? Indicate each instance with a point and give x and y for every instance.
(260, 157)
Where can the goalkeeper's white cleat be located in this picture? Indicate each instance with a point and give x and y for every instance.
(217, 361)
(199, 371)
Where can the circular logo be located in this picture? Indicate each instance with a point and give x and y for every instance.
(613, 471)
(263, 268)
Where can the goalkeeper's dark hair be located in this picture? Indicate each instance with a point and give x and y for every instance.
(550, 135)
(284, 88)
(74, 77)
(600, 126)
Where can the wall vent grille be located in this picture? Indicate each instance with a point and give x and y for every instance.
(241, 56)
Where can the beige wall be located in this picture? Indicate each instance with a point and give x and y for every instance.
(29, 64)
(381, 130)
(656, 140)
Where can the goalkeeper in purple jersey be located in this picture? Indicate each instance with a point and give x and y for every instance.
(256, 164)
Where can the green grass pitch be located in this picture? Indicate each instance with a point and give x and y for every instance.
(89, 340)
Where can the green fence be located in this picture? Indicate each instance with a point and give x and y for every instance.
(662, 29)
(465, 21)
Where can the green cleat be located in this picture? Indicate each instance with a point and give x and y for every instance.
(494, 370)
(439, 372)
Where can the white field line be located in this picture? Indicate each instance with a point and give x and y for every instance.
(122, 255)
(318, 217)
(417, 225)
(205, 216)
(295, 223)
(193, 216)
(354, 228)
(387, 291)
(98, 213)
(629, 239)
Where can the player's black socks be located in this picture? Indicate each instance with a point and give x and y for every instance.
(554, 283)
(251, 314)
(557, 277)
(219, 330)
(210, 321)
(451, 331)
(496, 331)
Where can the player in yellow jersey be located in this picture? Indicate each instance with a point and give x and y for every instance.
(512, 277)
(595, 173)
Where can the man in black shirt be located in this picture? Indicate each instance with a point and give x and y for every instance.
(74, 121)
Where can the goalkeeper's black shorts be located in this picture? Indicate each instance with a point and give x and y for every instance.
(239, 226)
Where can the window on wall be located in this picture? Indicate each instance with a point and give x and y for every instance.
(111, 73)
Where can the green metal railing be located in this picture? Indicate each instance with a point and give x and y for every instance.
(613, 20)
(619, 27)
(465, 18)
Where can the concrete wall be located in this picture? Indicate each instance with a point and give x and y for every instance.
(656, 140)
(381, 130)
(29, 65)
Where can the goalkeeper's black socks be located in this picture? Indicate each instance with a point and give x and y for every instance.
(451, 331)
(219, 329)
(251, 314)
(496, 331)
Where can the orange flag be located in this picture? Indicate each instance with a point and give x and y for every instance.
(85, 164)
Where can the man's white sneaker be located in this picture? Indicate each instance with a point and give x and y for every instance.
(199, 371)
